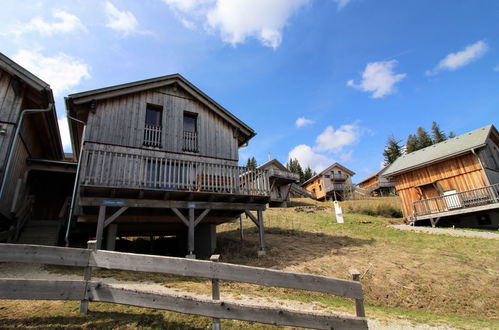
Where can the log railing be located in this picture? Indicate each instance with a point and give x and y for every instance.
(152, 136)
(273, 172)
(124, 170)
(461, 200)
(190, 142)
(87, 290)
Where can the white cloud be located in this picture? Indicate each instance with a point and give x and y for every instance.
(64, 23)
(342, 3)
(308, 157)
(64, 130)
(302, 121)
(61, 72)
(461, 58)
(379, 79)
(334, 140)
(122, 21)
(237, 20)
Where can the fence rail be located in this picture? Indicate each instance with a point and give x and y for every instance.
(460, 200)
(190, 142)
(152, 136)
(88, 290)
(118, 169)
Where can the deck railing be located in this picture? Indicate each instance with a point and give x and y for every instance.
(152, 136)
(461, 200)
(190, 142)
(338, 176)
(336, 186)
(124, 170)
(283, 174)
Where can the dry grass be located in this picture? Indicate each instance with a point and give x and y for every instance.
(420, 277)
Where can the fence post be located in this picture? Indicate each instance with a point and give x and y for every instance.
(359, 303)
(215, 292)
(87, 276)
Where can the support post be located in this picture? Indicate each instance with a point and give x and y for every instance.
(190, 235)
(87, 276)
(261, 231)
(111, 237)
(100, 226)
(215, 292)
(241, 231)
(359, 303)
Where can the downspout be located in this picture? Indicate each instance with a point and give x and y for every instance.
(77, 181)
(14, 143)
(481, 165)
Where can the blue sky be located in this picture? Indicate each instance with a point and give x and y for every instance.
(320, 80)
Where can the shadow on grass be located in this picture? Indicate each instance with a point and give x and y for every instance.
(97, 320)
(284, 246)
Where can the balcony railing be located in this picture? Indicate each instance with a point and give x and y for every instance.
(123, 170)
(152, 136)
(461, 200)
(273, 172)
(190, 142)
(338, 176)
(336, 186)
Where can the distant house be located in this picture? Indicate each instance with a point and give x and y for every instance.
(280, 179)
(377, 185)
(457, 177)
(331, 184)
(31, 154)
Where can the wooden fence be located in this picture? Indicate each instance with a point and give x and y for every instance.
(87, 290)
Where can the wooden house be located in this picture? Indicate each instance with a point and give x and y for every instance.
(333, 183)
(160, 157)
(31, 153)
(457, 177)
(280, 179)
(376, 184)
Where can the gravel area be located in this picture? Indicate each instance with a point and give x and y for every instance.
(448, 231)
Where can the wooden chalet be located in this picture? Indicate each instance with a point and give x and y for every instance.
(31, 156)
(280, 179)
(331, 184)
(376, 184)
(458, 177)
(160, 157)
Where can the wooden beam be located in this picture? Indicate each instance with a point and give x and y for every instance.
(201, 217)
(42, 289)
(261, 232)
(115, 216)
(252, 217)
(181, 216)
(190, 234)
(100, 226)
(44, 254)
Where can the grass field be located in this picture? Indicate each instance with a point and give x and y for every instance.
(405, 275)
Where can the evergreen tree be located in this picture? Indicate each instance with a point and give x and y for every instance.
(392, 150)
(412, 143)
(424, 139)
(437, 134)
(251, 163)
(452, 135)
(308, 173)
(294, 166)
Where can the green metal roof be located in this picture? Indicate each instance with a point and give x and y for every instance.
(440, 151)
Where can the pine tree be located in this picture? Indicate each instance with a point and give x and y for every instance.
(412, 143)
(424, 139)
(294, 166)
(251, 163)
(437, 134)
(307, 174)
(452, 135)
(392, 150)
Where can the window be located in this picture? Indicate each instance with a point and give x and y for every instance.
(152, 127)
(190, 132)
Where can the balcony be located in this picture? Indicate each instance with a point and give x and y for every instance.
(336, 187)
(468, 201)
(152, 136)
(190, 141)
(338, 177)
(283, 175)
(113, 169)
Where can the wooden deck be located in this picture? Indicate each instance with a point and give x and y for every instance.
(475, 200)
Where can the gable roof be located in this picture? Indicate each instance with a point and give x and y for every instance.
(274, 162)
(372, 175)
(327, 170)
(447, 149)
(15, 69)
(147, 84)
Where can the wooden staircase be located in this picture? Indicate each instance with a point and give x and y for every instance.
(40, 232)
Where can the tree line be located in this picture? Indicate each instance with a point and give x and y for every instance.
(421, 139)
(293, 165)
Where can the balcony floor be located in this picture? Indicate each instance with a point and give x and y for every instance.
(460, 211)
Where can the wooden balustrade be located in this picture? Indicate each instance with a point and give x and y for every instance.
(152, 136)
(123, 170)
(190, 142)
(459, 200)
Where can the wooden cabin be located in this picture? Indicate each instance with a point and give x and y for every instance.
(376, 184)
(280, 179)
(334, 183)
(458, 177)
(31, 155)
(160, 157)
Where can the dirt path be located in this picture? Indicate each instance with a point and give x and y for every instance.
(448, 231)
(36, 271)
